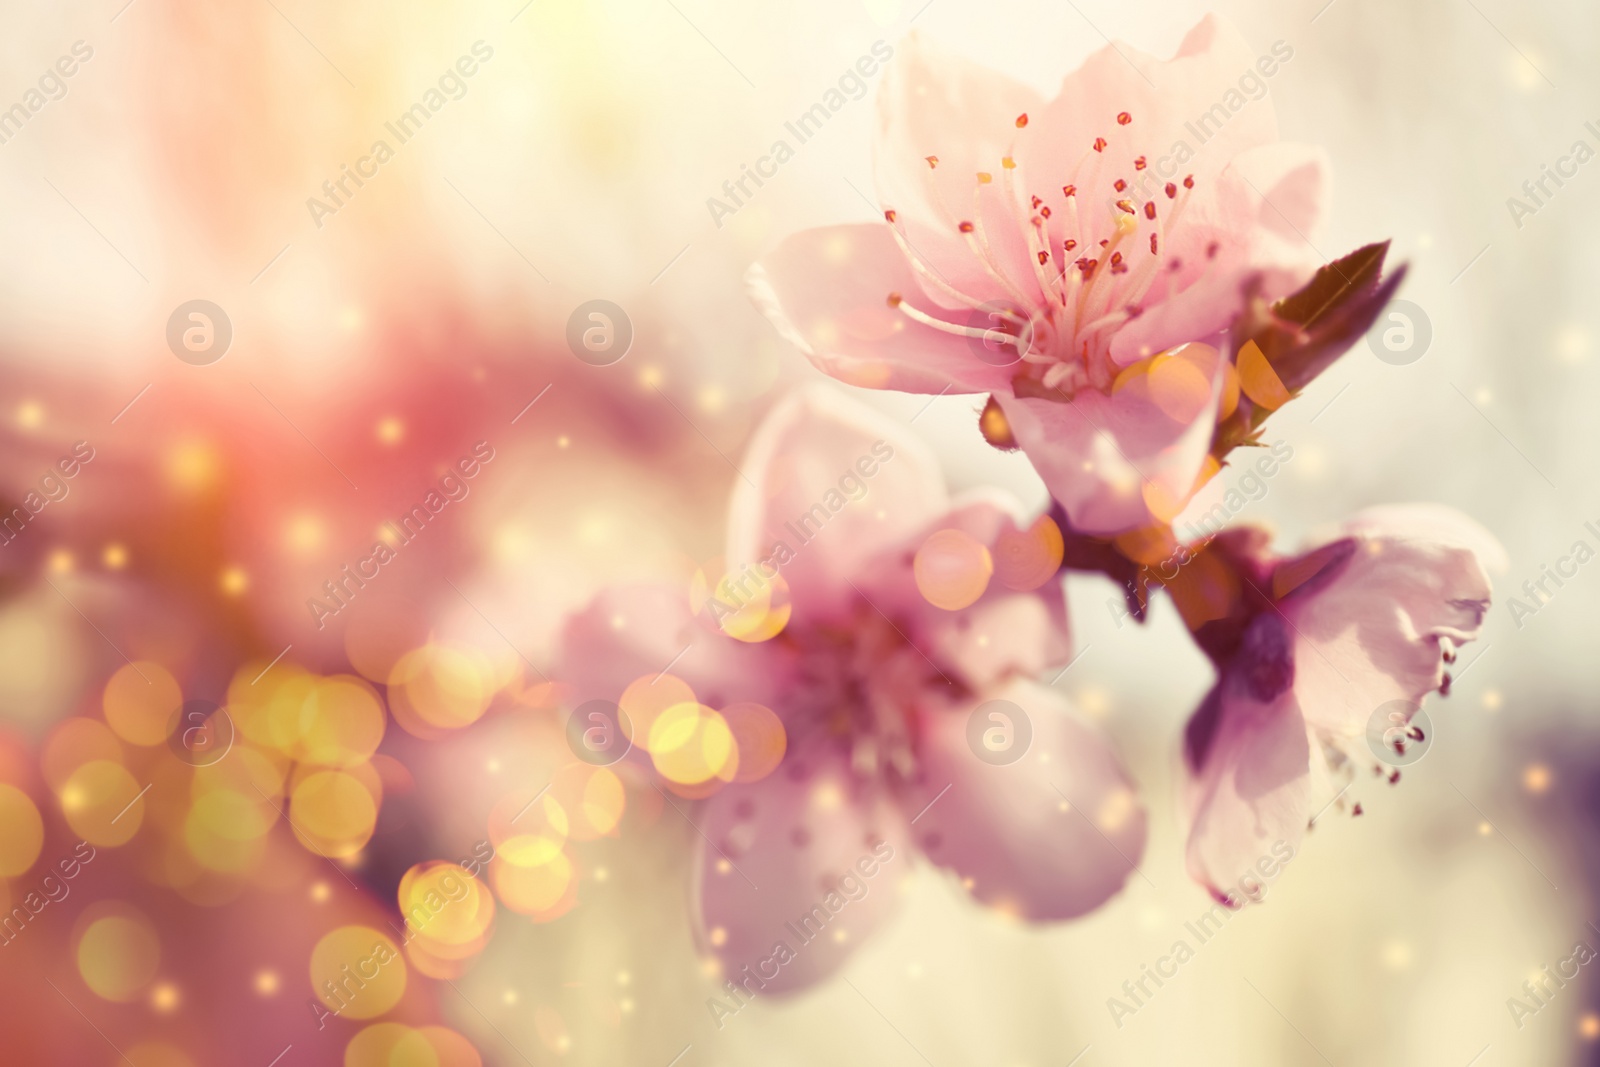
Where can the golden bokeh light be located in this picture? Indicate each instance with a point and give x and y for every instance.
(646, 698)
(357, 972)
(140, 701)
(592, 798)
(452, 1049)
(445, 909)
(233, 581)
(390, 1045)
(118, 953)
(750, 606)
(224, 829)
(102, 803)
(952, 569)
(390, 430)
(529, 886)
(691, 743)
(165, 997)
(192, 466)
(445, 686)
(333, 814)
(344, 722)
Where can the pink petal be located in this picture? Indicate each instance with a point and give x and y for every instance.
(1262, 224)
(797, 860)
(828, 292)
(1376, 629)
(832, 484)
(1050, 836)
(1248, 803)
(935, 103)
(1163, 100)
(1003, 633)
(1102, 457)
(1431, 522)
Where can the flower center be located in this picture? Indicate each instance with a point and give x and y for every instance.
(856, 694)
(1099, 253)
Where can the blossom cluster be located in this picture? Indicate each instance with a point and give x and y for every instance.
(1128, 335)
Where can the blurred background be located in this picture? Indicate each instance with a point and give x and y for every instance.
(417, 319)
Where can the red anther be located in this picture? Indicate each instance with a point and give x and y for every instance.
(1044, 257)
(1022, 120)
(889, 215)
(1099, 144)
(1188, 183)
(894, 300)
(1119, 185)
(933, 161)
(1149, 209)
(1172, 190)
(1123, 118)
(1139, 164)
(1152, 244)
(965, 227)
(1069, 190)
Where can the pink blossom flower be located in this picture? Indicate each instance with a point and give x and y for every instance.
(1369, 618)
(875, 688)
(1039, 250)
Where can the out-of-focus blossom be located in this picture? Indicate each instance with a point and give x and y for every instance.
(842, 544)
(1367, 620)
(1081, 259)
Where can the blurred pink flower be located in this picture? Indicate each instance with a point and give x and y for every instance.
(1037, 250)
(1372, 616)
(875, 688)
